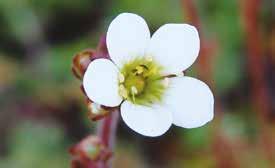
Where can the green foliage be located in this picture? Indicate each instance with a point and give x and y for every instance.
(165, 11)
(221, 20)
(241, 126)
(36, 145)
(57, 65)
(198, 138)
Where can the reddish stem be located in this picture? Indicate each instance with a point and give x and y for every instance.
(205, 72)
(106, 131)
(206, 52)
(250, 12)
(107, 128)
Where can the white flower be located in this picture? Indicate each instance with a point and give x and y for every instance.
(136, 78)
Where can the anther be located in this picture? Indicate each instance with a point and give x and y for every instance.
(139, 69)
(121, 78)
(134, 90)
(123, 91)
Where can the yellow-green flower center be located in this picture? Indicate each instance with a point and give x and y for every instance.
(141, 81)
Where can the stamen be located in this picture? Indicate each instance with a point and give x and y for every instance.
(141, 81)
(166, 82)
(181, 74)
(123, 91)
(140, 69)
(121, 78)
(144, 66)
(134, 92)
(149, 59)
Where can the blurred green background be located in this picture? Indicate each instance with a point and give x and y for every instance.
(42, 110)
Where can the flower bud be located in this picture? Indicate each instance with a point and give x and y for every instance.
(81, 62)
(89, 151)
(97, 111)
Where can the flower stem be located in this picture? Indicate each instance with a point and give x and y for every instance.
(106, 131)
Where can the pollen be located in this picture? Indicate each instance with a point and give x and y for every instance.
(141, 81)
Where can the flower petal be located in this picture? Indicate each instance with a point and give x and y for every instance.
(127, 37)
(100, 83)
(191, 102)
(175, 46)
(149, 121)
